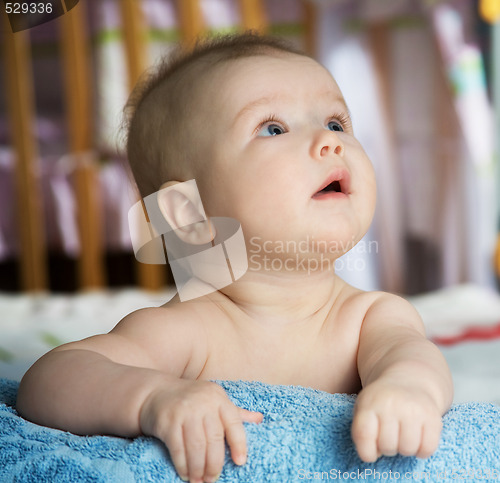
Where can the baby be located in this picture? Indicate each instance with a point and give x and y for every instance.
(266, 134)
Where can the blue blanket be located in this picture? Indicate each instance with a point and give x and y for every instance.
(305, 435)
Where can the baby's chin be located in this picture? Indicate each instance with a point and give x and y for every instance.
(310, 243)
(308, 254)
(344, 234)
(335, 235)
(290, 265)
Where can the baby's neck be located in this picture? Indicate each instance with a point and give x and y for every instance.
(284, 298)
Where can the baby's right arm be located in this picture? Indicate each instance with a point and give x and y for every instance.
(129, 382)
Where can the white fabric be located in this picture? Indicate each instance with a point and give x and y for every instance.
(31, 325)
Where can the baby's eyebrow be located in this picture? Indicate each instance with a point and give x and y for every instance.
(258, 102)
(268, 99)
(347, 110)
(340, 100)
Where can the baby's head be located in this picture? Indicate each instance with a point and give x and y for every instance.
(164, 106)
(265, 132)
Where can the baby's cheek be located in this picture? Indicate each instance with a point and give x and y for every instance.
(367, 198)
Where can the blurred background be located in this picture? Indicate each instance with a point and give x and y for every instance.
(421, 78)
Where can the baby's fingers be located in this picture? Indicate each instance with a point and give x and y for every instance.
(410, 437)
(196, 448)
(364, 432)
(388, 436)
(250, 416)
(214, 431)
(235, 433)
(174, 440)
(431, 435)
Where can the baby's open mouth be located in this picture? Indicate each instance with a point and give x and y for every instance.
(333, 186)
(337, 184)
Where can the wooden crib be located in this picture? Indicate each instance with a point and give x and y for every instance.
(74, 41)
(77, 74)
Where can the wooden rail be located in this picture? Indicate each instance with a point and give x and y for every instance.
(310, 14)
(190, 20)
(20, 104)
(150, 277)
(78, 95)
(253, 15)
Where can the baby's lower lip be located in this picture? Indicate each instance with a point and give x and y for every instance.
(329, 195)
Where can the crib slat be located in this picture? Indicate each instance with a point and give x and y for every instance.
(76, 60)
(135, 39)
(150, 277)
(20, 103)
(310, 15)
(253, 16)
(391, 255)
(190, 20)
(454, 263)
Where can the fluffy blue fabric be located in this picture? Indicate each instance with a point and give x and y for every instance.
(305, 435)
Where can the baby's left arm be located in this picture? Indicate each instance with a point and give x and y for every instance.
(407, 385)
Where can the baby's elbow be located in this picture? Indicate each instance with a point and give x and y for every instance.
(26, 401)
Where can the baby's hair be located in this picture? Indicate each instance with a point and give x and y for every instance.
(158, 105)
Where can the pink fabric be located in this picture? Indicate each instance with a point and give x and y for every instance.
(59, 206)
(284, 11)
(118, 195)
(8, 234)
(220, 13)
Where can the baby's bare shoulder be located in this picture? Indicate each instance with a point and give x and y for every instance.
(353, 302)
(362, 306)
(173, 335)
(382, 310)
(361, 300)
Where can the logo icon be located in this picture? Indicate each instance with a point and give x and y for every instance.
(204, 254)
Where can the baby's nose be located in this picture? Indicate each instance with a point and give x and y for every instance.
(338, 150)
(326, 144)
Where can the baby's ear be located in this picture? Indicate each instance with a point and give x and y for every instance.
(181, 206)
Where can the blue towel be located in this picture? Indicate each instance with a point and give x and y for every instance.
(305, 436)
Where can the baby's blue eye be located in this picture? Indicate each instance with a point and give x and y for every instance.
(271, 130)
(335, 126)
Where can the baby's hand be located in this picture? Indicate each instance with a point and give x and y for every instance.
(192, 418)
(391, 418)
